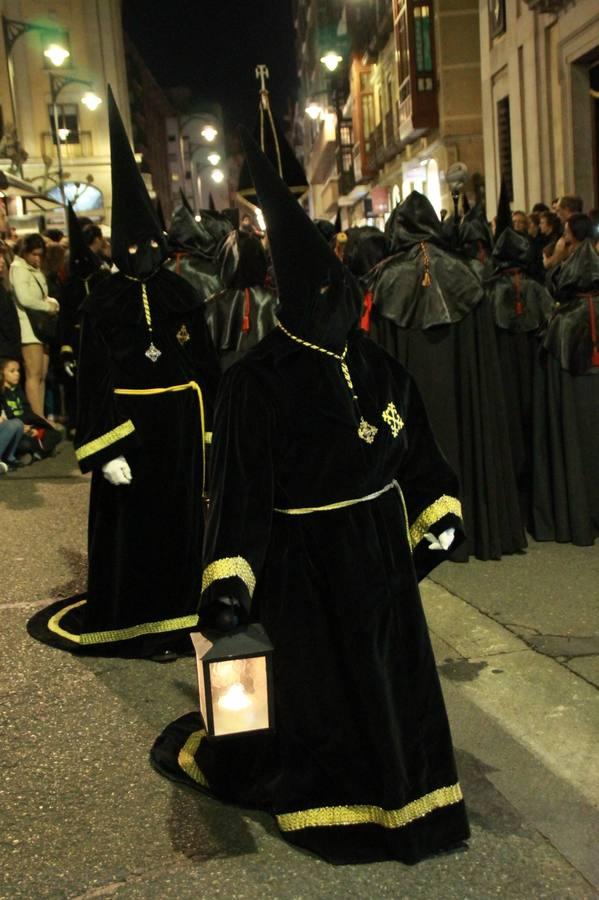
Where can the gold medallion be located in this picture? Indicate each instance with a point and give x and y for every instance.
(393, 419)
(183, 335)
(366, 432)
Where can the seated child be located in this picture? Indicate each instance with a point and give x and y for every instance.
(39, 438)
(11, 433)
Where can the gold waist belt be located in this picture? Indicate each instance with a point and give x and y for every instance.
(302, 511)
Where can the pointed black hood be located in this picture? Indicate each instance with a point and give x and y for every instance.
(202, 237)
(579, 274)
(185, 202)
(320, 301)
(134, 219)
(366, 247)
(474, 230)
(83, 262)
(269, 136)
(412, 222)
(512, 251)
(503, 219)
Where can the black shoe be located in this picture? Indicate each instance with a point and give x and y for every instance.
(16, 464)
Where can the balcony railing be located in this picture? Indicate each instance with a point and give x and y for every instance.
(74, 149)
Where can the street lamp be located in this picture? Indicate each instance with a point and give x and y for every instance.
(214, 159)
(57, 83)
(56, 54)
(209, 132)
(314, 110)
(12, 30)
(331, 60)
(217, 176)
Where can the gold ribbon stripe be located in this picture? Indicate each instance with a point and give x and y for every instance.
(370, 815)
(117, 634)
(186, 758)
(433, 513)
(105, 440)
(229, 567)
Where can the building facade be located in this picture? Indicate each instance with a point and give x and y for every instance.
(403, 105)
(92, 32)
(540, 89)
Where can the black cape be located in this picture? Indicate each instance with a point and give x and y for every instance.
(194, 247)
(566, 410)
(521, 306)
(443, 333)
(244, 311)
(320, 536)
(145, 539)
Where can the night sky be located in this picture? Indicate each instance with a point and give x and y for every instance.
(213, 46)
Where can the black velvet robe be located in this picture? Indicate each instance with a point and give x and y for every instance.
(145, 539)
(444, 335)
(320, 536)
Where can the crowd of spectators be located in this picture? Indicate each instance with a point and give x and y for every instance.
(33, 273)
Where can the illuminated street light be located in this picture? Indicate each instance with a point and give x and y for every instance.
(91, 100)
(314, 110)
(198, 218)
(209, 132)
(214, 159)
(331, 60)
(63, 133)
(56, 54)
(217, 176)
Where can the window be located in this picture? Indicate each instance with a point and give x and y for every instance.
(497, 17)
(504, 140)
(68, 122)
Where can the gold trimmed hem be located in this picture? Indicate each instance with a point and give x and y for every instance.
(186, 758)
(371, 815)
(229, 567)
(117, 634)
(342, 504)
(105, 440)
(433, 513)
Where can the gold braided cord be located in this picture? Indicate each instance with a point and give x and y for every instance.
(117, 634)
(190, 385)
(433, 513)
(146, 302)
(299, 340)
(186, 758)
(105, 440)
(371, 815)
(229, 567)
(342, 504)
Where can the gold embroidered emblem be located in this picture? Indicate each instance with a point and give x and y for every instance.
(393, 419)
(367, 432)
(183, 335)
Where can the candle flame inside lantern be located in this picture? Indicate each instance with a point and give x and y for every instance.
(235, 699)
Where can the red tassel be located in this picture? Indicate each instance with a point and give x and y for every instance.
(593, 327)
(366, 310)
(245, 327)
(518, 303)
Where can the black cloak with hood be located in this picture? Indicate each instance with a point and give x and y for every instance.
(428, 313)
(147, 379)
(244, 311)
(326, 480)
(566, 409)
(520, 306)
(193, 246)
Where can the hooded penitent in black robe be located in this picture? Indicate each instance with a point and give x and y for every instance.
(146, 379)
(320, 505)
(428, 313)
(194, 245)
(474, 241)
(85, 272)
(566, 409)
(520, 307)
(244, 311)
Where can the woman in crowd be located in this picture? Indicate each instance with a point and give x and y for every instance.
(37, 312)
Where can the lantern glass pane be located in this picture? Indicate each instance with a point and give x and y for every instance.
(239, 695)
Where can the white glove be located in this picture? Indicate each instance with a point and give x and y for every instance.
(117, 471)
(70, 368)
(443, 542)
(54, 306)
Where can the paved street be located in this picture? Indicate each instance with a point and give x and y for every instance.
(82, 815)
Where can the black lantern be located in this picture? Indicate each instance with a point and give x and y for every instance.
(235, 680)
